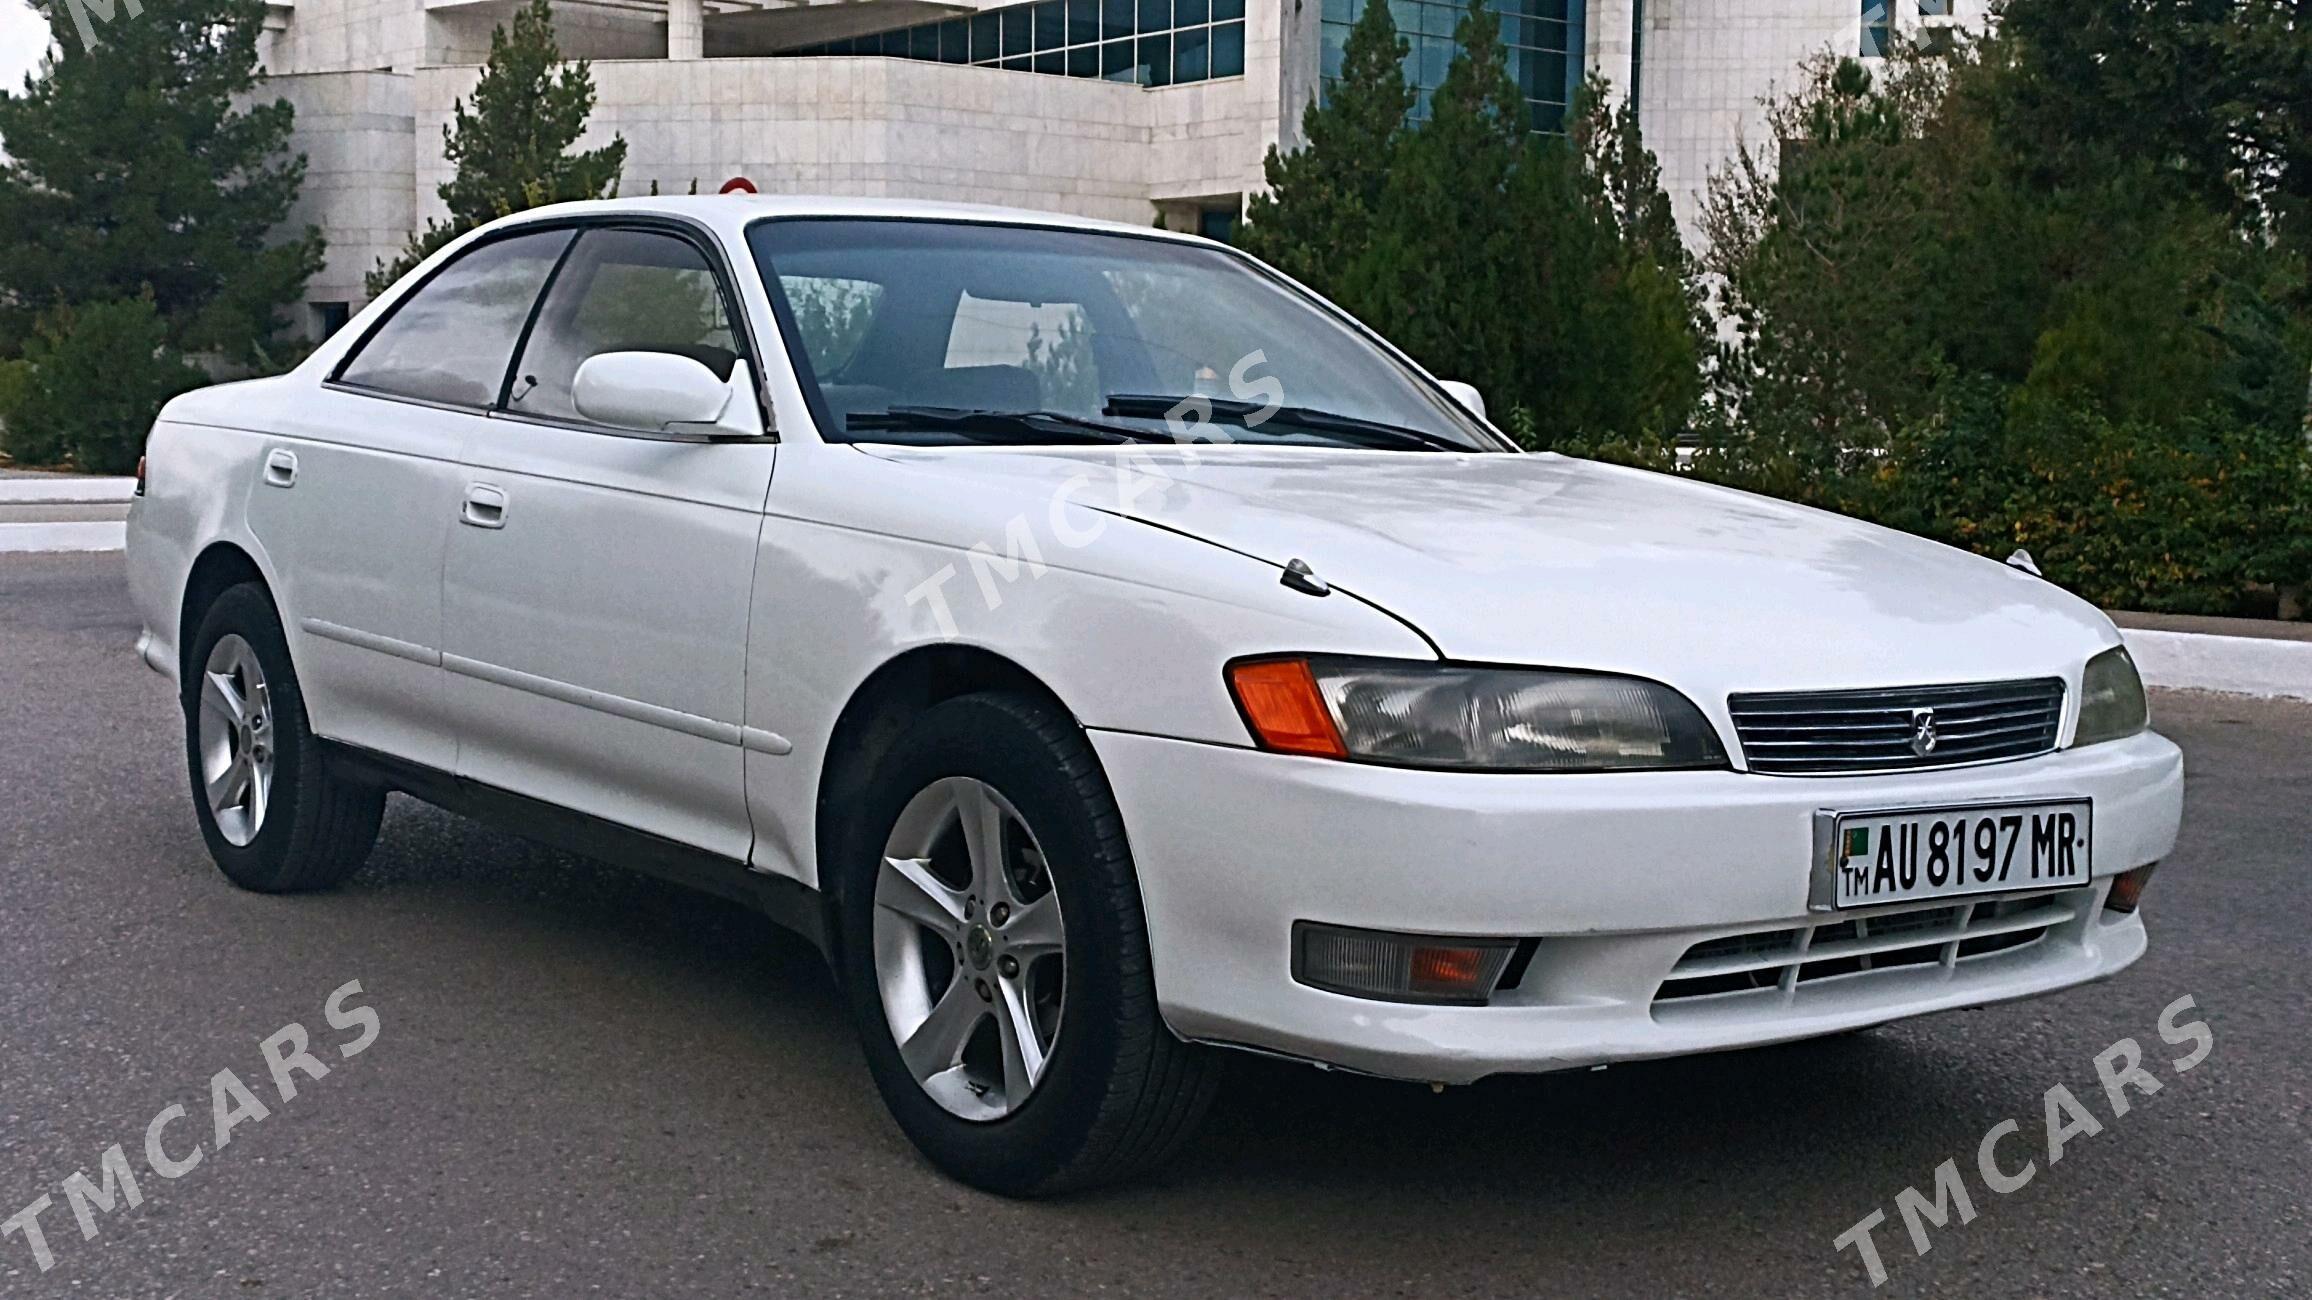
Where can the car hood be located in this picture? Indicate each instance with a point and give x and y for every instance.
(1547, 560)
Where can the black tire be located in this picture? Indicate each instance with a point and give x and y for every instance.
(317, 828)
(1121, 1093)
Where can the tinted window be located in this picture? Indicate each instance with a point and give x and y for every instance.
(898, 314)
(1050, 342)
(622, 291)
(450, 341)
(831, 316)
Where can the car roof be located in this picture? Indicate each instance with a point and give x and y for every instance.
(731, 213)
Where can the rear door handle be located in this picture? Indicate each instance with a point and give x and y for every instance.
(485, 506)
(281, 467)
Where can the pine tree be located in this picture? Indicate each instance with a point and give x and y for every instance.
(1628, 176)
(1623, 286)
(1547, 270)
(1317, 216)
(509, 149)
(1445, 248)
(94, 377)
(148, 166)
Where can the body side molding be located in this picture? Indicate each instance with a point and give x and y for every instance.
(384, 645)
(633, 710)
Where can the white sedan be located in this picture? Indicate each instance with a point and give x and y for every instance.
(1107, 651)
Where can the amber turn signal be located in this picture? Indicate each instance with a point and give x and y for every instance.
(1281, 703)
(2127, 889)
(1399, 967)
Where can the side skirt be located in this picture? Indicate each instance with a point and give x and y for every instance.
(786, 901)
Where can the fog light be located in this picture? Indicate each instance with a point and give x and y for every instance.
(1398, 967)
(2127, 889)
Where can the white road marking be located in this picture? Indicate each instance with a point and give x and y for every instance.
(65, 490)
(102, 536)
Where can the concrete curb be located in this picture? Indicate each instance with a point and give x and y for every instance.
(66, 491)
(2235, 665)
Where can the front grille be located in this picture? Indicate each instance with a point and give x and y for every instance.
(1771, 965)
(1839, 732)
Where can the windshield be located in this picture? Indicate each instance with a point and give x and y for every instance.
(953, 332)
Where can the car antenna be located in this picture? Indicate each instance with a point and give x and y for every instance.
(1301, 578)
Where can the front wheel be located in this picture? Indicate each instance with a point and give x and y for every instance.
(996, 957)
(275, 817)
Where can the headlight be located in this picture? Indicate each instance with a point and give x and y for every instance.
(2111, 703)
(1470, 719)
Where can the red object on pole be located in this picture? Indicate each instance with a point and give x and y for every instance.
(737, 185)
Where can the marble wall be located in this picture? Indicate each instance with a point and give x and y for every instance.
(375, 81)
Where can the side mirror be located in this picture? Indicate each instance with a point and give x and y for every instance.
(1471, 400)
(649, 391)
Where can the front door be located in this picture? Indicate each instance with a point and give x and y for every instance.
(597, 586)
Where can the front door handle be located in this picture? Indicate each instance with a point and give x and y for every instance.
(281, 468)
(485, 506)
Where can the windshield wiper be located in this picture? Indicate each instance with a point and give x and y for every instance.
(1026, 427)
(1226, 410)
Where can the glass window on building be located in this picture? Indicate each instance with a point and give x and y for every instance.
(1151, 42)
(1542, 39)
(1878, 29)
(330, 317)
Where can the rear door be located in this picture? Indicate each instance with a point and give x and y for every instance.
(597, 585)
(358, 489)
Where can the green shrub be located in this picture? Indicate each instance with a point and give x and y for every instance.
(2206, 513)
(15, 379)
(95, 376)
(2197, 515)
(2209, 512)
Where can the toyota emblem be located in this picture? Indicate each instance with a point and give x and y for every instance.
(1923, 738)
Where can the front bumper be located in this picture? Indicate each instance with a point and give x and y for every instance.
(1617, 876)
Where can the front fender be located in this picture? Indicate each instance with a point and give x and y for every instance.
(1128, 624)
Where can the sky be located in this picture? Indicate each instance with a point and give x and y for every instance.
(23, 39)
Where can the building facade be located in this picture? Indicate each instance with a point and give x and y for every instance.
(1134, 110)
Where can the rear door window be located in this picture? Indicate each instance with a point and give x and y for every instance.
(450, 340)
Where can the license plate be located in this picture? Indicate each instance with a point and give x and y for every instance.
(1899, 854)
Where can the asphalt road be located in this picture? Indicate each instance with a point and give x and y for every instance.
(589, 1083)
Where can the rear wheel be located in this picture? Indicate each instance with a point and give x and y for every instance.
(996, 958)
(275, 818)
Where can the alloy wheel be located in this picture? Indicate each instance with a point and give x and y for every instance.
(970, 951)
(236, 739)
